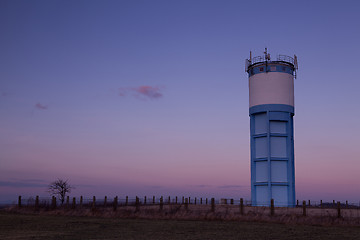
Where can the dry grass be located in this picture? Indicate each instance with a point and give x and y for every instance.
(315, 216)
(44, 225)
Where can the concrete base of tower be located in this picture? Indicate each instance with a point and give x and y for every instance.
(272, 155)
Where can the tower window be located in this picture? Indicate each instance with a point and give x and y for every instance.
(261, 69)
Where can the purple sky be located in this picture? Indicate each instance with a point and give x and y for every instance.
(151, 97)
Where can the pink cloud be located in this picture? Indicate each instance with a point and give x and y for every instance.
(41, 106)
(122, 92)
(149, 92)
(142, 92)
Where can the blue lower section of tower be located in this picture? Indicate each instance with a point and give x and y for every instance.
(272, 155)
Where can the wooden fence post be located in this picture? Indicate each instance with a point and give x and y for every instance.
(297, 202)
(53, 202)
(154, 200)
(182, 200)
(272, 208)
(145, 200)
(115, 203)
(73, 203)
(19, 202)
(347, 205)
(169, 200)
(338, 210)
(126, 200)
(137, 204)
(333, 203)
(309, 203)
(206, 201)
(105, 201)
(93, 203)
(241, 206)
(304, 208)
(161, 203)
(189, 200)
(81, 201)
(67, 201)
(176, 200)
(321, 204)
(195, 201)
(200, 201)
(213, 204)
(232, 201)
(37, 203)
(186, 204)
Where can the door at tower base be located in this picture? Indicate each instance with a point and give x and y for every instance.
(279, 194)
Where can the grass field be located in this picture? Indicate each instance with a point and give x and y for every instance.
(26, 226)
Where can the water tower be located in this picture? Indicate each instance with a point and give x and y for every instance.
(271, 110)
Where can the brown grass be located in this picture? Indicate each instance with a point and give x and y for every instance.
(315, 216)
(66, 225)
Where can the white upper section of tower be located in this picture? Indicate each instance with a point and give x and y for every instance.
(271, 88)
(271, 81)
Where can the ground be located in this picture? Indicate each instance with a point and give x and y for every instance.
(30, 226)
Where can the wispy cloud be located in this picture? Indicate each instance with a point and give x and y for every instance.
(149, 92)
(31, 180)
(231, 186)
(142, 92)
(201, 186)
(84, 185)
(122, 92)
(22, 184)
(155, 186)
(41, 106)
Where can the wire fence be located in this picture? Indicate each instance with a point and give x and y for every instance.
(313, 212)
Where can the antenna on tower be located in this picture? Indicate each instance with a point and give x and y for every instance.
(267, 55)
(295, 65)
(248, 62)
(295, 62)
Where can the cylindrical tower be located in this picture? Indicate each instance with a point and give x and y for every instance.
(271, 110)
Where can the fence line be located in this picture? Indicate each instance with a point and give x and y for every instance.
(175, 200)
(335, 209)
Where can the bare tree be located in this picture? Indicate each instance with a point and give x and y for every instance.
(60, 188)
